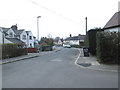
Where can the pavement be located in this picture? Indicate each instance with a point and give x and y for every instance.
(92, 63)
(28, 56)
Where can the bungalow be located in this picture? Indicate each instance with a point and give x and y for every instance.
(75, 40)
(113, 25)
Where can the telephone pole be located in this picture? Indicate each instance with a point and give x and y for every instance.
(86, 24)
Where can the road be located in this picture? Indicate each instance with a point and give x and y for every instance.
(55, 70)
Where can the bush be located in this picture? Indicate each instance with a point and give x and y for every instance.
(75, 46)
(107, 47)
(46, 48)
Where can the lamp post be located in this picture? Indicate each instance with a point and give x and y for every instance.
(38, 27)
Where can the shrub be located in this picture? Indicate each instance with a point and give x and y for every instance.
(75, 46)
(107, 47)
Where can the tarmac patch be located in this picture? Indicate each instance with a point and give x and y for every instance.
(56, 60)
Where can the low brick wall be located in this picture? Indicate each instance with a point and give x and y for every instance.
(32, 50)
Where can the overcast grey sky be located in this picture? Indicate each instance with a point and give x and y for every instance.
(59, 17)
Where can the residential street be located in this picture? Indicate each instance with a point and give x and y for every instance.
(55, 70)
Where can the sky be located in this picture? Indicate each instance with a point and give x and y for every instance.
(58, 17)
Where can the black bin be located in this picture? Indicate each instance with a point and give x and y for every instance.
(86, 52)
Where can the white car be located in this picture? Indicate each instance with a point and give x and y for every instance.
(66, 45)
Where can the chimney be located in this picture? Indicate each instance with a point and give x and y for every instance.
(14, 27)
(79, 36)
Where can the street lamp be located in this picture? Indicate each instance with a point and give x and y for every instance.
(38, 27)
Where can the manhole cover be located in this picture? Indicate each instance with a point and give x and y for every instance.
(85, 64)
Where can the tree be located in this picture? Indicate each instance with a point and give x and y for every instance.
(48, 41)
(57, 39)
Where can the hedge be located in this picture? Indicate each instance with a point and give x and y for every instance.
(90, 41)
(107, 47)
(12, 50)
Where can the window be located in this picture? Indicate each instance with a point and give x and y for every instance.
(11, 34)
(30, 37)
(24, 37)
(30, 45)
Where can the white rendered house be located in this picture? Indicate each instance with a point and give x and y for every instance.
(30, 39)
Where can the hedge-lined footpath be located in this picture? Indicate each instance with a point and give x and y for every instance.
(107, 47)
(12, 50)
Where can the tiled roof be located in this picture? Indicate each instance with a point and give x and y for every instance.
(5, 29)
(18, 32)
(114, 21)
(81, 37)
(16, 41)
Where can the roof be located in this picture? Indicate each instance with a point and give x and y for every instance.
(81, 37)
(18, 32)
(28, 32)
(15, 40)
(114, 21)
(5, 29)
(72, 38)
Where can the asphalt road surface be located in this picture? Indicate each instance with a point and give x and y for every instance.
(55, 70)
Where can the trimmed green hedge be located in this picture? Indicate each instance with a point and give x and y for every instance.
(107, 47)
(12, 50)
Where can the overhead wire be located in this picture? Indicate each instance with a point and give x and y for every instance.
(52, 11)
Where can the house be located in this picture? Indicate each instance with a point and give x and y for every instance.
(75, 40)
(25, 36)
(113, 25)
(20, 34)
(31, 40)
(8, 36)
(13, 35)
(2, 37)
(58, 42)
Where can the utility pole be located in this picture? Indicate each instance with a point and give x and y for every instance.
(86, 24)
(38, 27)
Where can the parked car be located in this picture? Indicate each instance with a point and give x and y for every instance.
(66, 45)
